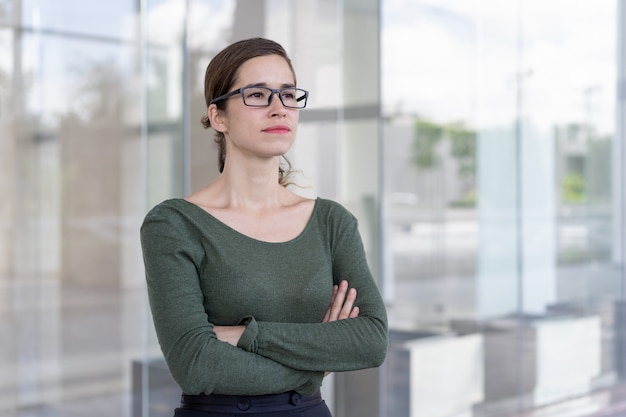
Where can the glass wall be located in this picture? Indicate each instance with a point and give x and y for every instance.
(503, 191)
(71, 181)
(477, 142)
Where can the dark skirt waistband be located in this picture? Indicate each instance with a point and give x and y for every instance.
(256, 403)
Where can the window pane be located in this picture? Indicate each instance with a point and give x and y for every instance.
(71, 273)
(499, 142)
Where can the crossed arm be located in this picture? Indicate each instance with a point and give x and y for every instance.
(203, 357)
(341, 307)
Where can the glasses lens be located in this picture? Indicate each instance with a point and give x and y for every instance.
(261, 96)
(293, 97)
(256, 96)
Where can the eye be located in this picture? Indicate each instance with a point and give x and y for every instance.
(253, 93)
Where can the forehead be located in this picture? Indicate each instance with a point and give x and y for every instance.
(269, 69)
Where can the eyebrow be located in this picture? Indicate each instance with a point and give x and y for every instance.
(284, 85)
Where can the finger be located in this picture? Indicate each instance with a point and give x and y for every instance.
(326, 318)
(338, 301)
(348, 304)
(354, 313)
(334, 296)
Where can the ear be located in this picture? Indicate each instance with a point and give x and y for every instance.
(217, 118)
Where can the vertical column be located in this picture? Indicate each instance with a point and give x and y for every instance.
(496, 265)
(359, 393)
(516, 270)
(517, 249)
(359, 153)
(8, 128)
(25, 262)
(619, 150)
(249, 19)
(619, 190)
(538, 215)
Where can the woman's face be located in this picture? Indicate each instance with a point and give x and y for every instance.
(260, 131)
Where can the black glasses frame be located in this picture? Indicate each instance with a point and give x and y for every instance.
(277, 91)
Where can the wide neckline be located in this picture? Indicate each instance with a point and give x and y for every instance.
(253, 239)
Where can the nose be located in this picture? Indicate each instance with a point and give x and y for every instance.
(276, 105)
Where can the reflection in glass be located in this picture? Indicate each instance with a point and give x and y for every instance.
(498, 149)
(500, 252)
(70, 283)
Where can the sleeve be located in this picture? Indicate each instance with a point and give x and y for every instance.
(197, 360)
(342, 345)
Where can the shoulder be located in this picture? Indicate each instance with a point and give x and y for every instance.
(333, 207)
(171, 225)
(334, 213)
(339, 226)
(173, 211)
(170, 207)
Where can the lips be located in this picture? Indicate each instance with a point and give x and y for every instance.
(277, 129)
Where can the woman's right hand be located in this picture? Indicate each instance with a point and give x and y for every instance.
(341, 305)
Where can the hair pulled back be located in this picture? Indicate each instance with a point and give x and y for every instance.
(220, 76)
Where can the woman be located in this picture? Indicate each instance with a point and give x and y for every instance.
(248, 281)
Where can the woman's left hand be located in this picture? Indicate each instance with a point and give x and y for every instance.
(342, 303)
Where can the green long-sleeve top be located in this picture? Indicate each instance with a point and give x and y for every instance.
(200, 273)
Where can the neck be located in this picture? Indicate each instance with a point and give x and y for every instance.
(253, 186)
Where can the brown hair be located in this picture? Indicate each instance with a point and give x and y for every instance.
(220, 76)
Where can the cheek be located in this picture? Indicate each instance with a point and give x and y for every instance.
(235, 123)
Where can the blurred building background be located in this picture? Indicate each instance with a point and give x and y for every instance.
(480, 143)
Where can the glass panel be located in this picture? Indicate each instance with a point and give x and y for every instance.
(501, 252)
(112, 20)
(574, 107)
(6, 12)
(165, 141)
(204, 41)
(70, 274)
(498, 143)
(431, 175)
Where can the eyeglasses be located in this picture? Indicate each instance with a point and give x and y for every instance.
(291, 97)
